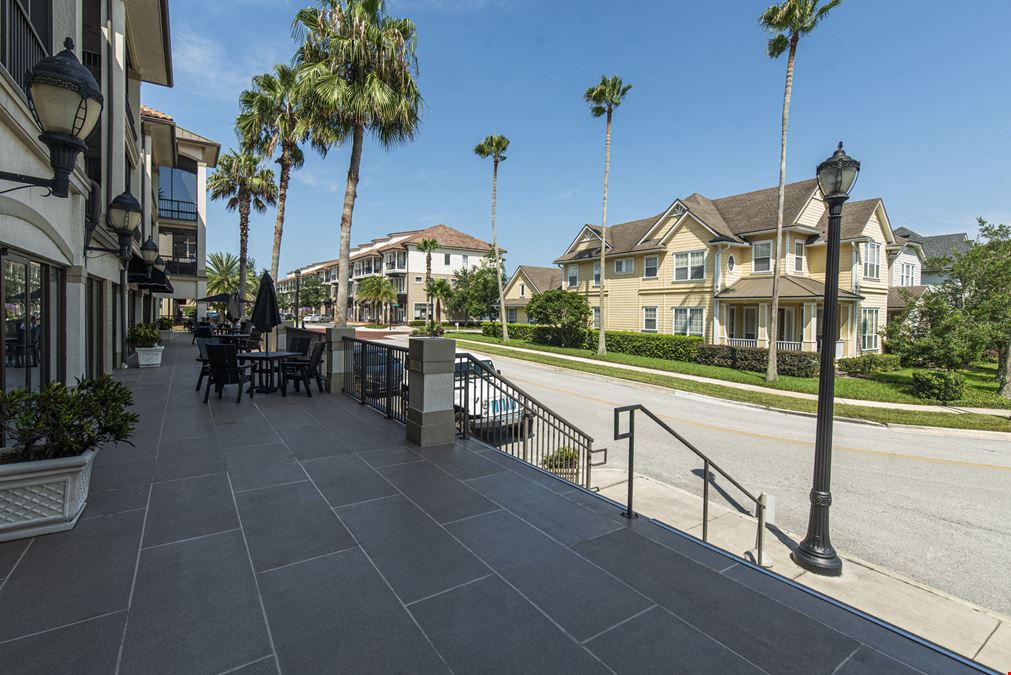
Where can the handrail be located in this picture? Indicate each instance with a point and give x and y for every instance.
(708, 467)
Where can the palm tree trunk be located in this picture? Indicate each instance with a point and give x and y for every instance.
(350, 193)
(498, 260)
(772, 372)
(243, 243)
(428, 287)
(282, 197)
(1005, 374)
(601, 338)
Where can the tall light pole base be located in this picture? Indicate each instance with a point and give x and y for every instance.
(824, 563)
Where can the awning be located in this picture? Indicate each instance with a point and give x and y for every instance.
(156, 281)
(790, 288)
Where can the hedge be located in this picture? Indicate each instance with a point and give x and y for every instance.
(943, 386)
(653, 345)
(756, 359)
(869, 364)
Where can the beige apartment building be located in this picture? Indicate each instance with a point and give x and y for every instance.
(704, 267)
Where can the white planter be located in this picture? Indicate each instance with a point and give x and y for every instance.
(149, 357)
(43, 497)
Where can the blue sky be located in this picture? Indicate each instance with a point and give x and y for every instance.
(917, 90)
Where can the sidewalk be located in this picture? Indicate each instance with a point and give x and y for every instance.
(967, 629)
(999, 412)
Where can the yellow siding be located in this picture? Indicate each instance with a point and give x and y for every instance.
(812, 213)
(512, 291)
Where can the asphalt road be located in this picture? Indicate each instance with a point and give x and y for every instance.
(934, 505)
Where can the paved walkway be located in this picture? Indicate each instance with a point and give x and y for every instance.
(972, 631)
(752, 387)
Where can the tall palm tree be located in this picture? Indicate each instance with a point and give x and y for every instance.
(603, 98)
(377, 290)
(269, 119)
(494, 146)
(222, 273)
(787, 21)
(428, 247)
(442, 291)
(247, 185)
(357, 69)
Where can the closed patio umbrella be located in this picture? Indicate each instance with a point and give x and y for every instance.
(234, 309)
(265, 313)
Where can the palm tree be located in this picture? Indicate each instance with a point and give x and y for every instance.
(246, 184)
(603, 98)
(378, 290)
(222, 273)
(442, 291)
(495, 146)
(269, 119)
(788, 21)
(428, 247)
(357, 69)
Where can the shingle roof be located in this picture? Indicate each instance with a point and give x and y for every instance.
(541, 278)
(758, 210)
(946, 244)
(854, 217)
(790, 288)
(623, 238)
(897, 295)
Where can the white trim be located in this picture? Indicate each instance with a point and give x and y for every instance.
(754, 258)
(623, 262)
(655, 275)
(689, 278)
(802, 257)
(568, 277)
(656, 319)
(688, 320)
(597, 276)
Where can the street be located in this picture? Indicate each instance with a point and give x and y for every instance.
(930, 505)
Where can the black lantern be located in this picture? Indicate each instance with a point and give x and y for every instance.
(159, 264)
(66, 103)
(149, 254)
(836, 176)
(124, 214)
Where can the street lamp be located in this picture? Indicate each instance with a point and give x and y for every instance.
(836, 176)
(66, 102)
(298, 309)
(149, 253)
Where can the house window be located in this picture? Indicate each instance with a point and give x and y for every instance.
(466, 260)
(690, 266)
(688, 320)
(750, 323)
(649, 319)
(624, 266)
(446, 258)
(417, 280)
(908, 277)
(420, 311)
(732, 322)
(798, 256)
(511, 315)
(596, 318)
(650, 266)
(761, 255)
(869, 329)
(523, 290)
(596, 273)
(872, 260)
(572, 271)
(401, 259)
(731, 263)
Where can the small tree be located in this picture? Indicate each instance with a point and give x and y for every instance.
(442, 291)
(311, 293)
(567, 312)
(475, 291)
(934, 332)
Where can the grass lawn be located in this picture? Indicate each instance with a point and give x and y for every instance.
(881, 415)
(897, 387)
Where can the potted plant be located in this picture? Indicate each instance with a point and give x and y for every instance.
(563, 462)
(144, 339)
(51, 438)
(164, 324)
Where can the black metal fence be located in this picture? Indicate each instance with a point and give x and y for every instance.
(177, 209)
(375, 374)
(708, 469)
(21, 45)
(495, 411)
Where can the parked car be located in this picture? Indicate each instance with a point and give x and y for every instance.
(311, 318)
(373, 376)
(492, 414)
(325, 319)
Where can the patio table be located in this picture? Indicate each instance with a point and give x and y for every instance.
(265, 364)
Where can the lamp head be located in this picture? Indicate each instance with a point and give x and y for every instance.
(838, 173)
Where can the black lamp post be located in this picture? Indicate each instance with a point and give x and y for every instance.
(836, 176)
(66, 103)
(298, 309)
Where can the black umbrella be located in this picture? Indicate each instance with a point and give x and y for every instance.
(220, 297)
(266, 314)
(234, 309)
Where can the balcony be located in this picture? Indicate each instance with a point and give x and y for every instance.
(742, 342)
(186, 267)
(177, 209)
(21, 46)
(305, 535)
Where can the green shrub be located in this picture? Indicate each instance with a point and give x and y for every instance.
(164, 323)
(756, 359)
(375, 325)
(143, 335)
(943, 386)
(429, 329)
(653, 345)
(562, 458)
(869, 364)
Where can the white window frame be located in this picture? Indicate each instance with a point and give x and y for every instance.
(799, 258)
(869, 340)
(466, 260)
(447, 259)
(872, 262)
(523, 290)
(689, 312)
(690, 266)
(424, 310)
(624, 266)
(731, 263)
(656, 319)
(595, 318)
(907, 274)
(418, 279)
(755, 257)
(510, 314)
(656, 267)
(572, 275)
(596, 274)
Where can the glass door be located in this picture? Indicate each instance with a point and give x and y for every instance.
(29, 323)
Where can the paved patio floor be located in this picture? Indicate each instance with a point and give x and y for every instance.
(305, 535)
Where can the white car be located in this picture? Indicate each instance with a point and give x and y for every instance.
(311, 318)
(492, 412)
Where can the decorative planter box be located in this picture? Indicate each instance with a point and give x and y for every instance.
(43, 497)
(149, 357)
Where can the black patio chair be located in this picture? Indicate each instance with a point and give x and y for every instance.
(299, 344)
(225, 370)
(205, 363)
(202, 331)
(253, 343)
(303, 370)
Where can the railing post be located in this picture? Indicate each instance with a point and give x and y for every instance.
(336, 363)
(466, 399)
(761, 527)
(389, 381)
(589, 454)
(705, 501)
(430, 416)
(629, 511)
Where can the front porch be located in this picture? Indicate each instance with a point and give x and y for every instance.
(305, 535)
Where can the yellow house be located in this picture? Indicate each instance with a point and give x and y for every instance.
(704, 267)
(526, 282)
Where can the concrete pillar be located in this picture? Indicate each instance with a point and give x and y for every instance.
(335, 356)
(809, 327)
(430, 417)
(763, 325)
(76, 278)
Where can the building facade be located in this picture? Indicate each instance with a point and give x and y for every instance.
(526, 282)
(704, 267)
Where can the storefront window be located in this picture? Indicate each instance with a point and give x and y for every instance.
(32, 324)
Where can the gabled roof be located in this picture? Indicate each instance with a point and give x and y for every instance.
(541, 278)
(854, 218)
(622, 238)
(758, 210)
(897, 295)
(449, 238)
(790, 288)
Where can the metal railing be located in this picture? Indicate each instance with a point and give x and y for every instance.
(177, 209)
(495, 411)
(21, 46)
(742, 342)
(708, 468)
(787, 346)
(181, 266)
(375, 374)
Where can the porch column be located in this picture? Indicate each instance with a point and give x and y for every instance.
(335, 357)
(763, 326)
(717, 323)
(809, 327)
(430, 417)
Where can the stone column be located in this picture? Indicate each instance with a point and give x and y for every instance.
(335, 357)
(430, 417)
